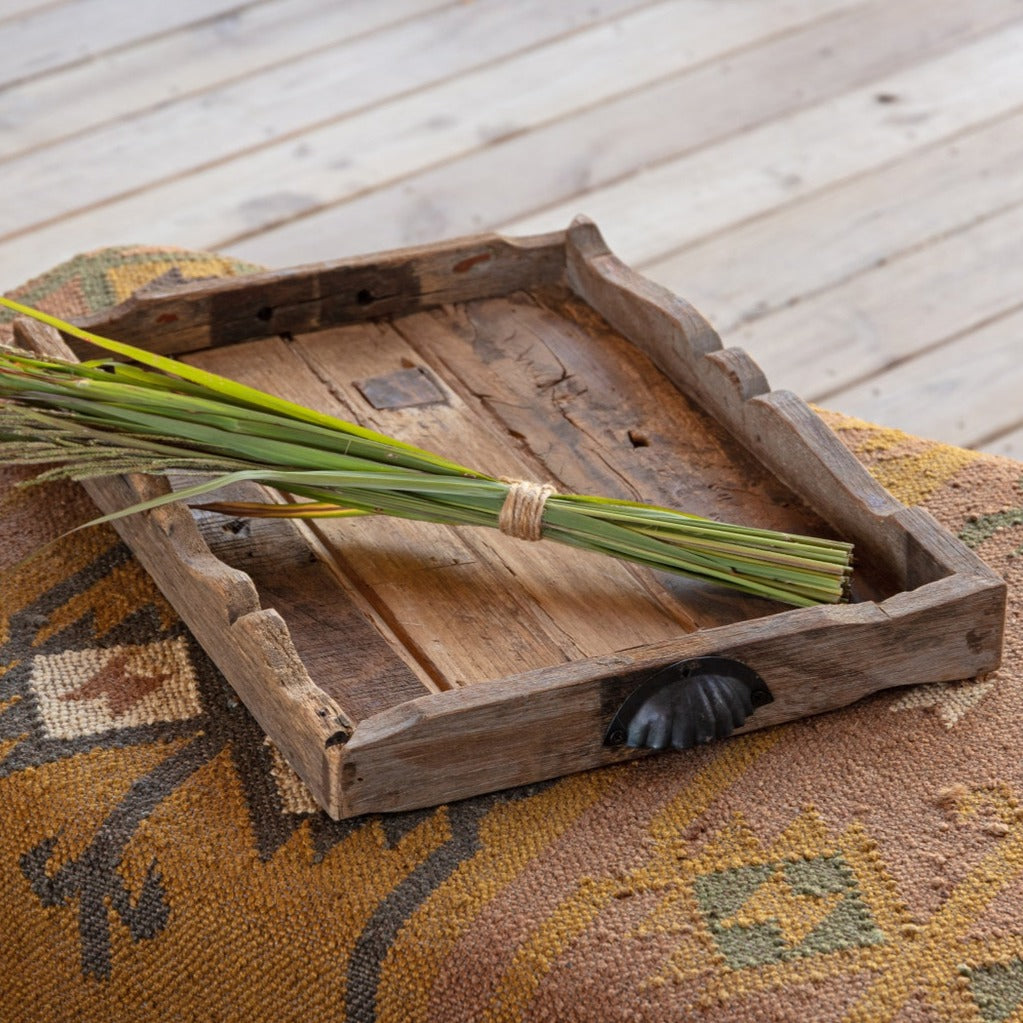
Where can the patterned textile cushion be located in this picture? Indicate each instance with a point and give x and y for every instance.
(159, 861)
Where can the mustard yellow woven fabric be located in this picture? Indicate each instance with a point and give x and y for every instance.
(159, 862)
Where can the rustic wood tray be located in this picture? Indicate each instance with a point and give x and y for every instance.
(399, 665)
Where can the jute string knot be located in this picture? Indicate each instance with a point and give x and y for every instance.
(522, 512)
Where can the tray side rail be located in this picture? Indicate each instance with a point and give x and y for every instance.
(550, 723)
(176, 319)
(777, 427)
(220, 605)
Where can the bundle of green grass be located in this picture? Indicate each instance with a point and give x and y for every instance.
(155, 415)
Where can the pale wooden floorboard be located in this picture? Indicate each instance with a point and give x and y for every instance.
(1010, 443)
(840, 231)
(612, 140)
(11, 9)
(293, 102)
(788, 158)
(55, 36)
(836, 183)
(966, 388)
(474, 177)
(890, 313)
(190, 61)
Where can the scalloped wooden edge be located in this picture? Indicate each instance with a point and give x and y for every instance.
(946, 624)
(221, 607)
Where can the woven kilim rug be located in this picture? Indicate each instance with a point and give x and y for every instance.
(159, 861)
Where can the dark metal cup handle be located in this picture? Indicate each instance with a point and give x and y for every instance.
(687, 704)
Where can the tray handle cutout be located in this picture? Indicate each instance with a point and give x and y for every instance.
(688, 703)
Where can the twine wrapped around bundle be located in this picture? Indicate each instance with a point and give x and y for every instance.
(90, 419)
(522, 512)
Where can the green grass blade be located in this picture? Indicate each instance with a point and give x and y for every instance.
(157, 415)
(235, 391)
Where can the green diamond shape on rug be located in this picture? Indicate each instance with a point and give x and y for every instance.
(751, 945)
(819, 876)
(998, 990)
(722, 893)
(772, 912)
(849, 925)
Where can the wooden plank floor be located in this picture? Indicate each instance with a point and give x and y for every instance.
(837, 184)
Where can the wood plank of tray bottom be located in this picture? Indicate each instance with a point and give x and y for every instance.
(612, 421)
(346, 653)
(591, 605)
(464, 603)
(426, 584)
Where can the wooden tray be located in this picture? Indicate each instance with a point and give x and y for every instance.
(399, 665)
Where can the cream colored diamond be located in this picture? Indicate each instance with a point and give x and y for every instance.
(950, 700)
(794, 914)
(83, 692)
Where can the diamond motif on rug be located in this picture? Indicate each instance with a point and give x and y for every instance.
(951, 701)
(998, 990)
(84, 692)
(773, 912)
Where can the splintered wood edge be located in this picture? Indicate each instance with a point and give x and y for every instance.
(221, 607)
(776, 426)
(183, 318)
(551, 722)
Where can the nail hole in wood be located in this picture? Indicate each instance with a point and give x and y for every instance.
(364, 297)
(265, 313)
(638, 440)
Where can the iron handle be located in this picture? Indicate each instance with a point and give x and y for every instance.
(688, 703)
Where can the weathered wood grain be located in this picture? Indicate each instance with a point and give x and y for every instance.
(776, 426)
(656, 447)
(785, 159)
(699, 105)
(348, 651)
(832, 656)
(221, 607)
(470, 604)
(176, 320)
(461, 615)
(590, 605)
(551, 723)
(195, 57)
